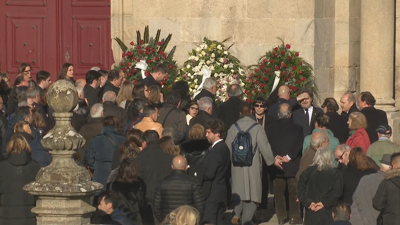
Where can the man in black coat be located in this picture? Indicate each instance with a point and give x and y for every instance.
(284, 96)
(286, 140)
(111, 109)
(205, 112)
(153, 164)
(387, 197)
(228, 111)
(91, 88)
(348, 104)
(375, 117)
(156, 76)
(172, 117)
(209, 90)
(176, 190)
(216, 163)
(338, 123)
(306, 114)
(112, 84)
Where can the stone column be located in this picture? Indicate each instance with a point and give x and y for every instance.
(377, 51)
(63, 188)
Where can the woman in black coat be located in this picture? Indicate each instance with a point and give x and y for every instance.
(130, 190)
(18, 170)
(319, 188)
(358, 166)
(337, 123)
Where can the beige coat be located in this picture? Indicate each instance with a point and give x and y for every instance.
(148, 124)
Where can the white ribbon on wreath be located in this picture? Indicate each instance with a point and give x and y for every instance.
(206, 71)
(276, 81)
(142, 65)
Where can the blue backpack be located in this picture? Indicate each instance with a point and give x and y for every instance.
(242, 147)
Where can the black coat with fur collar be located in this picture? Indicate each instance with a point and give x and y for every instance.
(195, 150)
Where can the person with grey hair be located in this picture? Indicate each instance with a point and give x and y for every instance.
(91, 129)
(209, 90)
(319, 188)
(228, 111)
(205, 112)
(348, 104)
(111, 109)
(33, 101)
(341, 214)
(319, 140)
(286, 140)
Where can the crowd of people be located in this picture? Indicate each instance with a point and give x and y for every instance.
(167, 158)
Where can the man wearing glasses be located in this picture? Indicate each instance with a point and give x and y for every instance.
(342, 153)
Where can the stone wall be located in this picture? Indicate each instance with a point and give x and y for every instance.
(397, 55)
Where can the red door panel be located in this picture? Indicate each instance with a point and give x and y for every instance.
(25, 36)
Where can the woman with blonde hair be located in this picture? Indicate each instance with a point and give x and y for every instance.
(155, 96)
(125, 94)
(16, 171)
(183, 215)
(359, 136)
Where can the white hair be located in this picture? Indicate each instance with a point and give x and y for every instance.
(205, 103)
(96, 110)
(95, 68)
(209, 83)
(323, 159)
(322, 138)
(109, 96)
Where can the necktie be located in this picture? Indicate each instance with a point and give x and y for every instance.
(307, 118)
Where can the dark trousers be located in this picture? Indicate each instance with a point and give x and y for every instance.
(213, 212)
(280, 201)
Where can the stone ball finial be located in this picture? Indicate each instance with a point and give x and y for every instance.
(62, 96)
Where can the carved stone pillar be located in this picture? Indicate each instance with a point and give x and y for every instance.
(377, 51)
(63, 188)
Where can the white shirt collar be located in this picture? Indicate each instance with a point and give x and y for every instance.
(216, 143)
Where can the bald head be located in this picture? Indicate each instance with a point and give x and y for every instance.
(284, 92)
(179, 163)
(395, 158)
(80, 83)
(319, 139)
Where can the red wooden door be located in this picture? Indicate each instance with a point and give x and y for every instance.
(86, 35)
(48, 33)
(25, 34)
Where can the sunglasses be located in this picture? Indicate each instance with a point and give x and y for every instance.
(341, 157)
(259, 105)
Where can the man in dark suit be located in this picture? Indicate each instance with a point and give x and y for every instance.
(284, 96)
(228, 111)
(156, 76)
(306, 114)
(209, 90)
(91, 87)
(348, 104)
(113, 83)
(216, 163)
(375, 117)
(205, 112)
(286, 140)
(338, 123)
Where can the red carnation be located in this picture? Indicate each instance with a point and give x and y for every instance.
(285, 79)
(159, 43)
(152, 50)
(154, 68)
(259, 76)
(122, 63)
(276, 49)
(127, 73)
(263, 91)
(162, 52)
(146, 52)
(133, 70)
(146, 73)
(303, 79)
(171, 66)
(294, 89)
(265, 78)
(248, 100)
(297, 81)
(141, 41)
(165, 56)
(256, 91)
(166, 78)
(135, 81)
(301, 72)
(262, 66)
(284, 65)
(268, 69)
(276, 67)
(262, 85)
(274, 54)
(147, 48)
(282, 52)
(139, 47)
(265, 61)
(301, 63)
(132, 43)
(296, 54)
(130, 53)
(289, 57)
(256, 82)
(123, 54)
(156, 58)
(140, 51)
(251, 75)
(134, 58)
(148, 61)
(284, 73)
(294, 68)
(288, 46)
(256, 70)
(138, 60)
(290, 87)
(124, 69)
(128, 64)
(247, 91)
